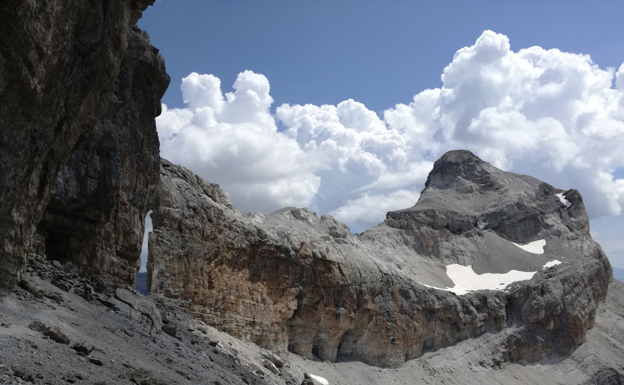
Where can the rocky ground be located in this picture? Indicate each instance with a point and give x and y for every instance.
(58, 328)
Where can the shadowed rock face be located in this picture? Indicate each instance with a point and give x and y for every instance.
(60, 86)
(294, 280)
(96, 215)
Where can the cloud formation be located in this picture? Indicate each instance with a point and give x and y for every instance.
(551, 114)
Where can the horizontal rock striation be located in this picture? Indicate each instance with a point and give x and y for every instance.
(61, 83)
(294, 280)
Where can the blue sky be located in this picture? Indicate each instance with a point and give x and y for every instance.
(377, 52)
(380, 54)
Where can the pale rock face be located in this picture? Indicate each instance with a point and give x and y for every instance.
(298, 281)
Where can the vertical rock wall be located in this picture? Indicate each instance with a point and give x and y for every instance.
(101, 196)
(59, 61)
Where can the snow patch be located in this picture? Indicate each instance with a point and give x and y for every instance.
(551, 264)
(564, 200)
(536, 247)
(466, 280)
(319, 379)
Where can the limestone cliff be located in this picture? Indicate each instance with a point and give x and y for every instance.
(96, 214)
(294, 280)
(67, 79)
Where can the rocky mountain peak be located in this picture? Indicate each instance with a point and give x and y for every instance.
(293, 280)
(457, 164)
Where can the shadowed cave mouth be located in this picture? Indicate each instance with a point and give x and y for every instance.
(348, 346)
(141, 278)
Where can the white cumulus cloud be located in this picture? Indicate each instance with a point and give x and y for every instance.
(370, 208)
(551, 114)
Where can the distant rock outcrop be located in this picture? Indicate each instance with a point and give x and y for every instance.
(294, 280)
(76, 79)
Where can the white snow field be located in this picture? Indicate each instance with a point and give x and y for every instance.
(536, 247)
(319, 379)
(551, 264)
(564, 200)
(466, 280)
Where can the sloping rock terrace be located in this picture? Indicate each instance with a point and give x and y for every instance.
(292, 280)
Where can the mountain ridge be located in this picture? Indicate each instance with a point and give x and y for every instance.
(300, 297)
(309, 286)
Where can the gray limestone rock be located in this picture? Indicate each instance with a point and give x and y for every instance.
(142, 305)
(59, 60)
(96, 215)
(293, 280)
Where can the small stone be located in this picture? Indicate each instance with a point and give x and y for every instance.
(61, 285)
(170, 329)
(96, 361)
(23, 374)
(57, 335)
(269, 365)
(84, 348)
(38, 326)
(71, 269)
(275, 359)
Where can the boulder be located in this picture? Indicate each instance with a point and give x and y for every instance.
(139, 303)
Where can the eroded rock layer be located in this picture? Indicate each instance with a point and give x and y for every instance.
(294, 280)
(62, 82)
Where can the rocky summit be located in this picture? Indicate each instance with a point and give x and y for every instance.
(482, 251)
(491, 277)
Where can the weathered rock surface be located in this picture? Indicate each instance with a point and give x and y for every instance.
(62, 337)
(292, 280)
(96, 215)
(61, 85)
(120, 349)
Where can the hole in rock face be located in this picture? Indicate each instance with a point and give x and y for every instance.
(318, 348)
(315, 351)
(348, 347)
(141, 278)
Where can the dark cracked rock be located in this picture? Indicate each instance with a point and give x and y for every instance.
(60, 62)
(96, 215)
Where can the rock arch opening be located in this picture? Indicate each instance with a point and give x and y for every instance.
(141, 278)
